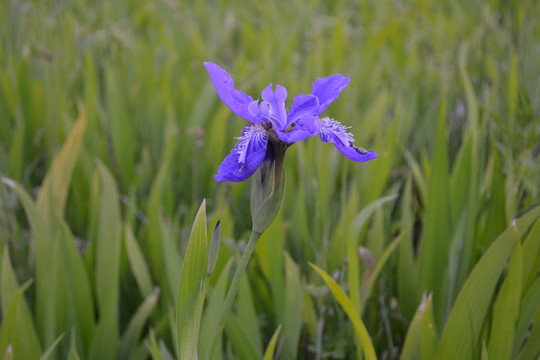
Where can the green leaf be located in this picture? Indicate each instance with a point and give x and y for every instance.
(530, 305)
(190, 298)
(496, 213)
(55, 186)
(436, 234)
(137, 263)
(78, 286)
(247, 315)
(135, 326)
(213, 251)
(531, 350)
(292, 322)
(46, 268)
(25, 324)
(428, 334)
(531, 248)
(155, 238)
(240, 339)
(269, 353)
(350, 310)
(407, 275)
(73, 355)
(11, 330)
(210, 318)
(371, 279)
(412, 347)
(352, 246)
(107, 268)
(462, 329)
(506, 310)
(171, 258)
(47, 354)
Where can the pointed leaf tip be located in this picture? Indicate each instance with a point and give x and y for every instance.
(213, 251)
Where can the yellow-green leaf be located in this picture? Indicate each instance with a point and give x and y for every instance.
(54, 188)
(269, 353)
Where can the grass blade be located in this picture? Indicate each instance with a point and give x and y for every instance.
(11, 332)
(436, 234)
(352, 246)
(79, 292)
(47, 354)
(107, 265)
(506, 310)
(190, 288)
(292, 322)
(136, 324)
(464, 323)
(530, 306)
(350, 310)
(55, 186)
(46, 268)
(137, 263)
(269, 353)
(8, 289)
(412, 347)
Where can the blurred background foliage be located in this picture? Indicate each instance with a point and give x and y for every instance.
(447, 93)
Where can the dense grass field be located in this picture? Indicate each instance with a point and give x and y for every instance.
(111, 132)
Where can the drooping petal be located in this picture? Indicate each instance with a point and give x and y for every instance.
(246, 157)
(327, 90)
(355, 153)
(302, 105)
(303, 128)
(236, 100)
(332, 131)
(276, 101)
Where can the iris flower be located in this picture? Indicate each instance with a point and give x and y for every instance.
(272, 129)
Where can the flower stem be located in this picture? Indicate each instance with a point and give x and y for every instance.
(233, 289)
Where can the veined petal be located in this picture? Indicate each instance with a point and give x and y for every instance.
(246, 157)
(236, 100)
(276, 101)
(302, 105)
(303, 128)
(327, 90)
(332, 131)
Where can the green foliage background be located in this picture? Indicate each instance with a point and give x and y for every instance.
(110, 132)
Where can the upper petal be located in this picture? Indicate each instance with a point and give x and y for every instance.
(302, 105)
(276, 101)
(327, 90)
(246, 157)
(305, 127)
(335, 133)
(236, 100)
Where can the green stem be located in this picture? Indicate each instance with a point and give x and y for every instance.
(231, 294)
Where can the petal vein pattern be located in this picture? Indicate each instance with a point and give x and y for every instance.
(252, 139)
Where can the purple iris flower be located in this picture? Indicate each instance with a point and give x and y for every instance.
(273, 128)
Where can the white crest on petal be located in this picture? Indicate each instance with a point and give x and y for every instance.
(250, 133)
(330, 128)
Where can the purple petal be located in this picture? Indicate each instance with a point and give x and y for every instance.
(332, 131)
(236, 100)
(327, 90)
(356, 154)
(276, 100)
(246, 157)
(305, 127)
(302, 105)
